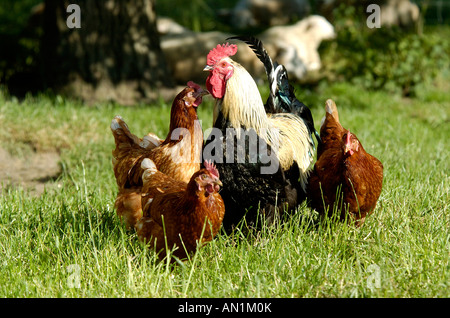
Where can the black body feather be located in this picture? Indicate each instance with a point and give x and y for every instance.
(246, 191)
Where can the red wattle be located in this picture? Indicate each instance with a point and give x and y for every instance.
(215, 85)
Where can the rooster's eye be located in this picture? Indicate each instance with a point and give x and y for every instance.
(223, 64)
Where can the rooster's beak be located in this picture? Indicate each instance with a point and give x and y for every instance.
(208, 68)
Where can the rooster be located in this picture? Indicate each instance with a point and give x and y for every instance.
(345, 179)
(177, 156)
(239, 108)
(179, 214)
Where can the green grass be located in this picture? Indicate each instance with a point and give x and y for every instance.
(70, 234)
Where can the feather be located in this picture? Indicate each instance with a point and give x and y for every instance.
(258, 48)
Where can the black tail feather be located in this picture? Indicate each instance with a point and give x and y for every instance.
(271, 106)
(257, 47)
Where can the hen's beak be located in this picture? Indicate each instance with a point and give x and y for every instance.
(200, 93)
(347, 149)
(218, 182)
(208, 68)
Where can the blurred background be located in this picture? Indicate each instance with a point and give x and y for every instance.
(134, 51)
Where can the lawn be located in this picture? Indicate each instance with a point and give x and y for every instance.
(67, 241)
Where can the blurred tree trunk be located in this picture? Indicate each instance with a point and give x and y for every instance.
(115, 55)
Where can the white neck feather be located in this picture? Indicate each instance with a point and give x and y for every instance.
(242, 104)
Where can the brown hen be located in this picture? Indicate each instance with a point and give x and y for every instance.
(346, 179)
(178, 155)
(179, 214)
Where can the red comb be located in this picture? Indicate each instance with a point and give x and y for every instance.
(349, 134)
(219, 52)
(193, 85)
(211, 168)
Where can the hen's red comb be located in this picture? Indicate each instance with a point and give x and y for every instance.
(348, 140)
(219, 52)
(211, 168)
(193, 85)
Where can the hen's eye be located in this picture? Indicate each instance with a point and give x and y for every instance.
(204, 176)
